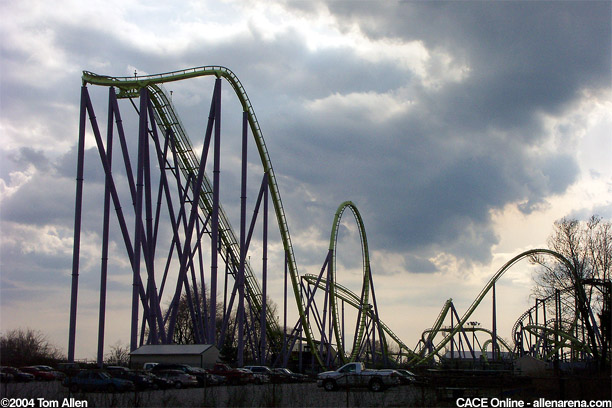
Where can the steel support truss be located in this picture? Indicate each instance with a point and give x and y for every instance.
(169, 185)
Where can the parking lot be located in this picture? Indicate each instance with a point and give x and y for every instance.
(267, 395)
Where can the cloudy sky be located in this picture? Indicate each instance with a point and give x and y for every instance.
(461, 131)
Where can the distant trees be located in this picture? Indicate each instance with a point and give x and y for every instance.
(119, 354)
(22, 347)
(185, 330)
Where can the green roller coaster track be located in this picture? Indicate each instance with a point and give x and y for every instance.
(365, 290)
(361, 303)
(558, 339)
(473, 330)
(167, 118)
(464, 319)
(348, 296)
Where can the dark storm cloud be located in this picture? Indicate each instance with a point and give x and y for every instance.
(47, 197)
(39, 268)
(36, 158)
(429, 179)
(418, 189)
(19, 160)
(525, 56)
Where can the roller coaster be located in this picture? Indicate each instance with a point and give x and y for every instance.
(174, 205)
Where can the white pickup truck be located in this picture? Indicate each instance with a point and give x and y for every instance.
(356, 375)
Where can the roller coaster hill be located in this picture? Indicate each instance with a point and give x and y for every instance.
(173, 224)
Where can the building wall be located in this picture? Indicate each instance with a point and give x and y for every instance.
(209, 358)
(193, 355)
(194, 360)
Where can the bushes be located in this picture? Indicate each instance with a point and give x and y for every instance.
(22, 347)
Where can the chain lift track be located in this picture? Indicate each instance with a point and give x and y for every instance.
(166, 117)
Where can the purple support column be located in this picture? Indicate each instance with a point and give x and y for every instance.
(376, 317)
(142, 135)
(299, 334)
(215, 217)
(225, 284)
(325, 302)
(374, 322)
(452, 341)
(264, 278)
(286, 349)
(77, 225)
(149, 254)
(240, 276)
(105, 231)
(494, 324)
(343, 338)
(330, 332)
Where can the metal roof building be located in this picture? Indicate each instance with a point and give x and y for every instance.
(195, 355)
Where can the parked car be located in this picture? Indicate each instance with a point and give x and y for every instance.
(212, 379)
(416, 379)
(412, 377)
(179, 378)
(203, 377)
(232, 375)
(356, 375)
(200, 374)
(94, 380)
(69, 369)
(41, 375)
(148, 366)
(404, 379)
(16, 374)
(57, 374)
(141, 382)
(5, 377)
(158, 382)
(288, 376)
(261, 374)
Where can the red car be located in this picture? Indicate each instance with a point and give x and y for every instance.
(233, 375)
(43, 373)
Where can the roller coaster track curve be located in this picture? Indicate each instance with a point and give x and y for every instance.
(464, 319)
(365, 290)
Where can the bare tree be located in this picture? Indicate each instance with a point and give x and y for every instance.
(119, 354)
(185, 330)
(587, 245)
(21, 347)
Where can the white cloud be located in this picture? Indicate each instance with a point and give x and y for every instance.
(16, 180)
(375, 107)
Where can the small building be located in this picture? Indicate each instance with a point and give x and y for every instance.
(527, 365)
(195, 355)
